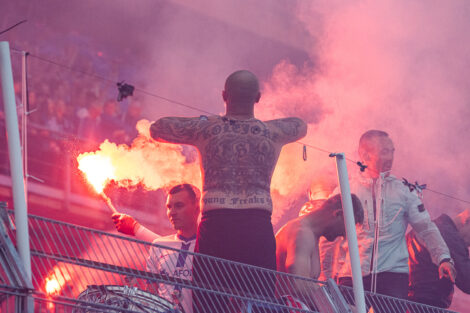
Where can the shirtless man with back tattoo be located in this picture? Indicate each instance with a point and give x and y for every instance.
(238, 156)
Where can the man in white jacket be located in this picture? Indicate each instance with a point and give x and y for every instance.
(389, 206)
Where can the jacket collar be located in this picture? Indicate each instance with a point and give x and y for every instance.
(366, 180)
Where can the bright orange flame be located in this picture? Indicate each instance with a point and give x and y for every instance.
(146, 162)
(52, 286)
(98, 169)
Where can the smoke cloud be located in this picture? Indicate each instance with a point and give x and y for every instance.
(343, 66)
(389, 65)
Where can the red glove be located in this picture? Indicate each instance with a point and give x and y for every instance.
(125, 224)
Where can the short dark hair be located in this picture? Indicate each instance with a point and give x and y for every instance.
(358, 209)
(334, 203)
(192, 190)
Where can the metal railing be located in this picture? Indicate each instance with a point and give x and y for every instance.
(386, 304)
(78, 269)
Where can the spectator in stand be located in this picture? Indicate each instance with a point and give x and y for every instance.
(297, 242)
(183, 206)
(238, 156)
(425, 284)
(389, 207)
(112, 127)
(89, 121)
(59, 126)
(322, 186)
(58, 122)
(132, 116)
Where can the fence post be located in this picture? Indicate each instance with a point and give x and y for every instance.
(351, 235)
(67, 181)
(16, 161)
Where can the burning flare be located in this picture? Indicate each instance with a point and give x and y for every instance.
(52, 286)
(97, 168)
(147, 163)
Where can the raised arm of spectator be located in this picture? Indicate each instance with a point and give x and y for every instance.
(288, 129)
(126, 224)
(145, 234)
(182, 130)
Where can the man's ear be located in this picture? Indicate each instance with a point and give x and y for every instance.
(338, 213)
(258, 96)
(224, 95)
(364, 155)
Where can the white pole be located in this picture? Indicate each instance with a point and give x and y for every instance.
(16, 165)
(351, 235)
(24, 132)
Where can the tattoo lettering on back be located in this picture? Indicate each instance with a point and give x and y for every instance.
(238, 156)
(238, 159)
(238, 164)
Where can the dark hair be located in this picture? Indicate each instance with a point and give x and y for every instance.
(334, 203)
(358, 209)
(193, 191)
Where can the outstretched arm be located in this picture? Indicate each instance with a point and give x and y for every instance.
(288, 129)
(126, 224)
(182, 130)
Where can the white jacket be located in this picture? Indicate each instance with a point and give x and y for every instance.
(396, 207)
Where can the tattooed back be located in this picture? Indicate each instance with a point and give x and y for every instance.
(238, 156)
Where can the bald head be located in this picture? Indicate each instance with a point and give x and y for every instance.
(241, 89)
(376, 150)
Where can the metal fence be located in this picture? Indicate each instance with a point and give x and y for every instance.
(77, 269)
(386, 304)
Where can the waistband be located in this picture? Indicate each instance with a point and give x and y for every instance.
(236, 212)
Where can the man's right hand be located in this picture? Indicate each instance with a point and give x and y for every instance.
(447, 270)
(125, 224)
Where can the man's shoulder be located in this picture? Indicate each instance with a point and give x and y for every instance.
(286, 231)
(289, 128)
(285, 121)
(210, 118)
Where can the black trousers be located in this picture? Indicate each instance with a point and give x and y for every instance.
(388, 284)
(244, 236)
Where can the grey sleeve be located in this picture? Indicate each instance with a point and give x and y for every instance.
(428, 233)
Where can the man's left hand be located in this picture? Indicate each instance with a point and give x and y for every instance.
(447, 270)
